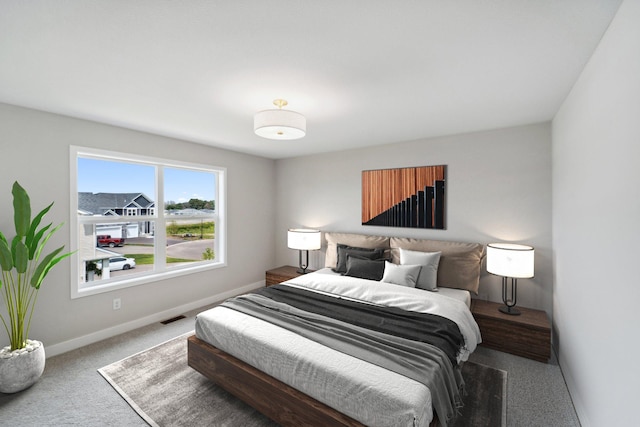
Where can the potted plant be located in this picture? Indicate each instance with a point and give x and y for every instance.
(92, 270)
(24, 267)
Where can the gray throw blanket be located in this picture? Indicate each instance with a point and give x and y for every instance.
(421, 362)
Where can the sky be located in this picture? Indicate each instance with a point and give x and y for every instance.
(105, 176)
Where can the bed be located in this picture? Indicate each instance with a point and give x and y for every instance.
(302, 377)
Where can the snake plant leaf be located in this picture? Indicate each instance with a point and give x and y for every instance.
(45, 265)
(32, 230)
(6, 259)
(21, 257)
(21, 209)
(34, 242)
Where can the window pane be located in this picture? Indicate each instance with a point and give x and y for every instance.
(189, 206)
(111, 250)
(189, 192)
(111, 188)
(189, 241)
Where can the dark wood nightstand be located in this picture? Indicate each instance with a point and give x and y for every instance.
(526, 335)
(281, 274)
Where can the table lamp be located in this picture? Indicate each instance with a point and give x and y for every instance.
(305, 240)
(513, 261)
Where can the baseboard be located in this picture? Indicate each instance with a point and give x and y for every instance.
(75, 343)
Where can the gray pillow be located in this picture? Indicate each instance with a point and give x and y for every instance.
(428, 277)
(364, 268)
(344, 251)
(349, 239)
(403, 275)
(459, 265)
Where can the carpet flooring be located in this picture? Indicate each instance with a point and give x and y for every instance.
(165, 391)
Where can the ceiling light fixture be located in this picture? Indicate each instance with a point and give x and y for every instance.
(279, 124)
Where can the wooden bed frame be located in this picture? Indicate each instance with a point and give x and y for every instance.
(273, 398)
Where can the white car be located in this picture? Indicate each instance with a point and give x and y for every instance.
(121, 263)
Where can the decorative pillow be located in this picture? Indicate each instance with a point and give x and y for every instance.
(350, 239)
(428, 277)
(460, 263)
(365, 268)
(403, 275)
(344, 251)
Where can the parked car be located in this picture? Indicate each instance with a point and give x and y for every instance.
(120, 263)
(107, 240)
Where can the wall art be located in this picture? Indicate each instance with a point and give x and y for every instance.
(405, 197)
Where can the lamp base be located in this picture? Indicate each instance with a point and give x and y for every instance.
(302, 271)
(509, 310)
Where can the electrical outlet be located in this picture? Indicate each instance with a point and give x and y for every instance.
(117, 303)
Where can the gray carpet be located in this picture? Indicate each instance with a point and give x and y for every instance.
(164, 391)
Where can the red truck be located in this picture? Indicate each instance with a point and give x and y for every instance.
(107, 240)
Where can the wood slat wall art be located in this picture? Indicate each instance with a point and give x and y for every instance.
(404, 197)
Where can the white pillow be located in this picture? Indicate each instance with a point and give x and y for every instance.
(428, 277)
(403, 275)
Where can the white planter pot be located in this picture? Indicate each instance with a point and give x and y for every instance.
(21, 368)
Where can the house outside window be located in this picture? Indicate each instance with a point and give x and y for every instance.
(120, 237)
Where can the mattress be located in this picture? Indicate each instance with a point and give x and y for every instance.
(361, 390)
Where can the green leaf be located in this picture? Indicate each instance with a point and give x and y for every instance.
(14, 245)
(21, 209)
(21, 258)
(44, 241)
(48, 267)
(34, 243)
(43, 268)
(6, 260)
(32, 231)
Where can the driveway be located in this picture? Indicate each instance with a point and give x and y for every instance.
(176, 248)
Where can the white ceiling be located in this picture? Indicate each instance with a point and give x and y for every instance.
(363, 72)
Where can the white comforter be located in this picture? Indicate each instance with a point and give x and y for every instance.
(365, 392)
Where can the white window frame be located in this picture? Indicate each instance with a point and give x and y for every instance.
(160, 271)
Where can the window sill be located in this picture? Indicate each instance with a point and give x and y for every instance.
(86, 290)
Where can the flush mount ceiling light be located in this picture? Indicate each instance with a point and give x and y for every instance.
(279, 124)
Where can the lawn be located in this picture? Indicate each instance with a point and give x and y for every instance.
(142, 259)
(204, 229)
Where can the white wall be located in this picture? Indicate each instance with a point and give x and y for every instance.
(498, 189)
(34, 148)
(596, 226)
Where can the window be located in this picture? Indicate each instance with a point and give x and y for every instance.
(137, 219)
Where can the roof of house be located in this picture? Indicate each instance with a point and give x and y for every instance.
(99, 203)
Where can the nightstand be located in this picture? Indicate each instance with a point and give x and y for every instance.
(526, 335)
(281, 274)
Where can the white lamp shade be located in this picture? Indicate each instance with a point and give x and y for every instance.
(303, 239)
(279, 124)
(510, 260)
